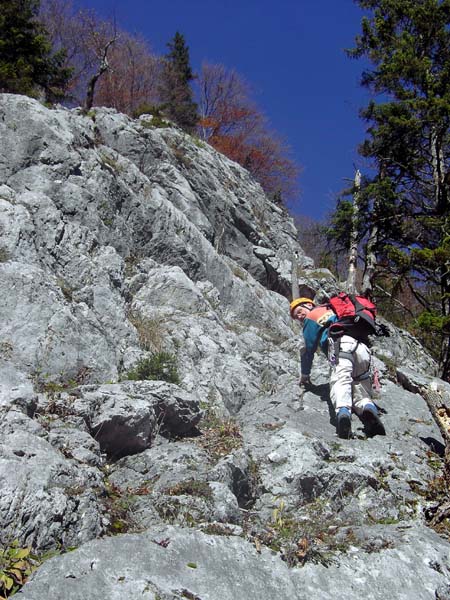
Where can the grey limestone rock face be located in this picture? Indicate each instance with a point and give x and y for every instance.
(48, 500)
(121, 242)
(165, 562)
(400, 350)
(364, 574)
(124, 417)
(169, 562)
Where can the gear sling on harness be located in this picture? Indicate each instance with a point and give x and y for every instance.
(335, 333)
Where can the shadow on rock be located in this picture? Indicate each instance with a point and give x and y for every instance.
(434, 445)
(323, 392)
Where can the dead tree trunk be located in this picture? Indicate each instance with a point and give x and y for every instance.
(353, 252)
(371, 257)
(371, 262)
(439, 405)
(103, 67)
(294, 278)
(438, 165)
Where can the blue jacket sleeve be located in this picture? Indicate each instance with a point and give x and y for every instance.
(311, 334)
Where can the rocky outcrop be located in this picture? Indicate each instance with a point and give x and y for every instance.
(129, 251)
(170, 563)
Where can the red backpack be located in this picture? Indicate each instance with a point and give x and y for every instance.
(356, 316)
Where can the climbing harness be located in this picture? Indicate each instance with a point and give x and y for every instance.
(335, 353)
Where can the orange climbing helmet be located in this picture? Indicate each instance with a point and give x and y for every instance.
(299, 302)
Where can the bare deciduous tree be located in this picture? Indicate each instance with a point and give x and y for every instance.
(132, 79)
(224, 101)
(82, 34)
(232, 123)
(103, 67)
(110, 67)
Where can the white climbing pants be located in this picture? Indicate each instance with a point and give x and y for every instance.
(350, 381)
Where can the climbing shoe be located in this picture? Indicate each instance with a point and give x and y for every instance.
(372, 422)
(344, 423)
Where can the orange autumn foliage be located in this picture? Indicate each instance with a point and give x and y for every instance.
(231, 123)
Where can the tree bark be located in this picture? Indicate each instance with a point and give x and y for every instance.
(103, 67)
(445, 295)
(440, 178)
(371, 257)
(294, 278)
(371, 262)
(439, 405)
(438, 166)
(353, 252)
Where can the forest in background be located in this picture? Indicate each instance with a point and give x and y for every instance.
(389, 236)
(394, 222)
(94, 62)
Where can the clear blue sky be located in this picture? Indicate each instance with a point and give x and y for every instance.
(292, 52)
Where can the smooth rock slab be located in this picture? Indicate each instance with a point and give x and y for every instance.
(166, 562)
(172, 563)
(414, 569)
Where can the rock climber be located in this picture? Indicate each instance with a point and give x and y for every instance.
(350, 378)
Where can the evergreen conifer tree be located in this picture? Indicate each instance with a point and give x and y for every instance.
(27, 65)
(407, 202)
(175, 91)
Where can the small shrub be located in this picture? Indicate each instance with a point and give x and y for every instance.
(66, 288)
(181, 158)
(6, 349)
(391, 366)
(111, 163)
(147, 109)
(52, 385)
(131, 262)
(155, 122)
(199, 143)
(161, 366)
(217, 529)
(119, 505)
(16, 565)
(239, 272)
(168, 509)
(273, 426)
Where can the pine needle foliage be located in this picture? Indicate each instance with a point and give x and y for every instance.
(160, 366)
(407, 198)
(27, 64)
(175, 91)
